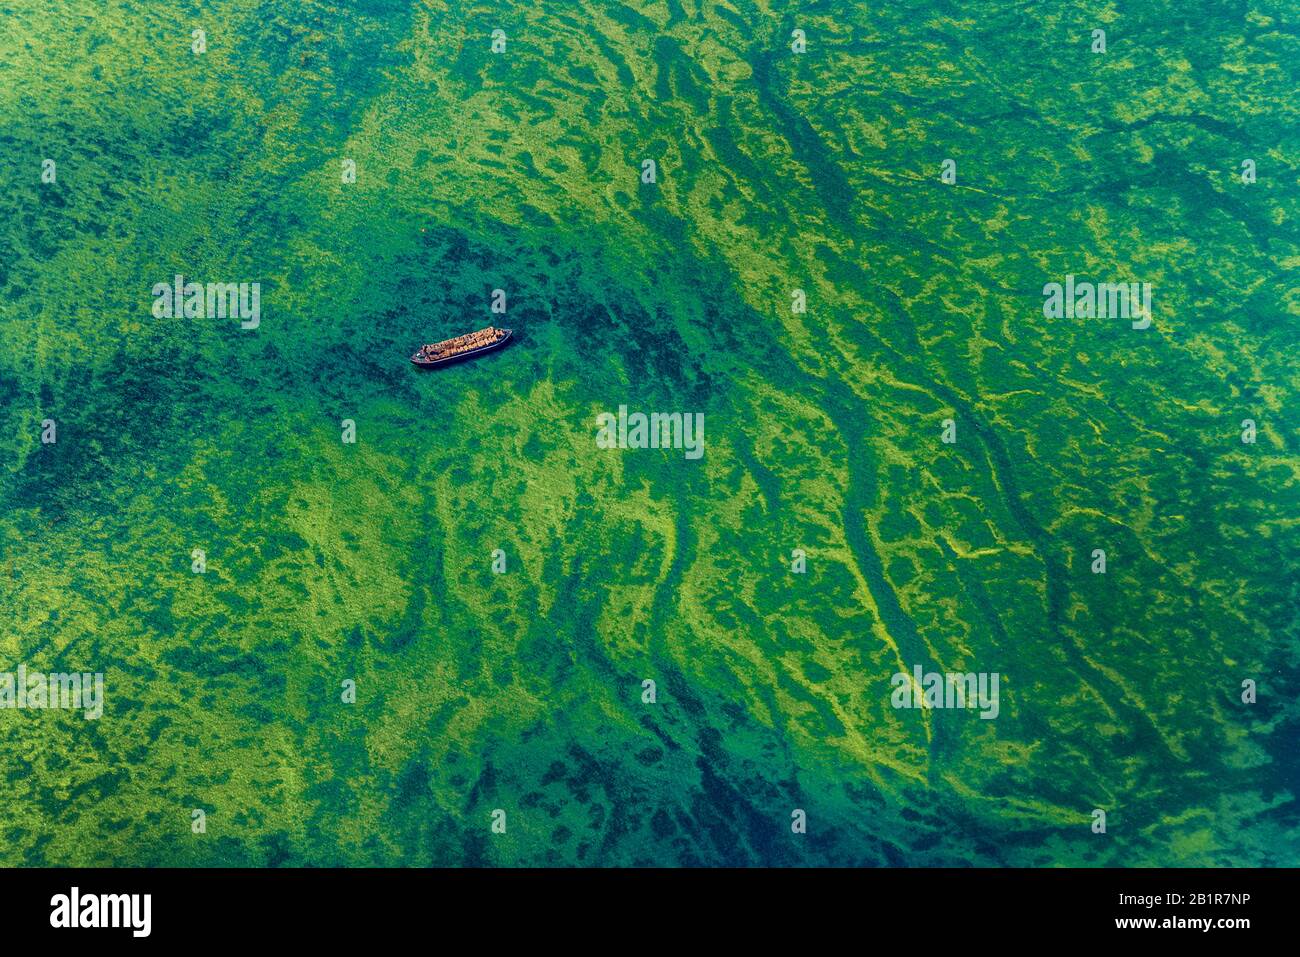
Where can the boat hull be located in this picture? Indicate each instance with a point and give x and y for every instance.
(421, 363)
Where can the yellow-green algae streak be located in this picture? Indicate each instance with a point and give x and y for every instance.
(777, 171)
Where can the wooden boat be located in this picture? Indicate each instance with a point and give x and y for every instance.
(462, 347)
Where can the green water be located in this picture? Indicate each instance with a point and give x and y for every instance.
(372, 561)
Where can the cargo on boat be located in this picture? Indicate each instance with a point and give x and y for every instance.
(462, 347)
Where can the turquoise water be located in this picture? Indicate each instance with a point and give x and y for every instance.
(372, 561)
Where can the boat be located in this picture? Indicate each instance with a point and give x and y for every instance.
(462, 347)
